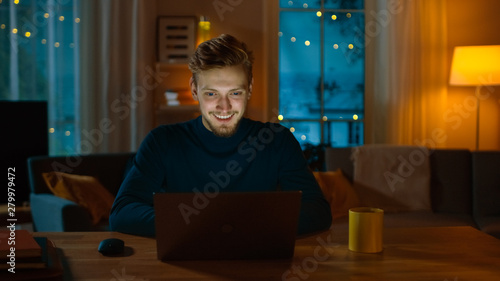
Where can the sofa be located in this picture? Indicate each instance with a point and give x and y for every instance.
(464, 188)
(81, 183)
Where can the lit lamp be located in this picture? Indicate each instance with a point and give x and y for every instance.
(476, 66)
(203, 30)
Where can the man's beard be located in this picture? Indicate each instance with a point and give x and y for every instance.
(224, 131)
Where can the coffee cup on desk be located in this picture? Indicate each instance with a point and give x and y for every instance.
(366, 227)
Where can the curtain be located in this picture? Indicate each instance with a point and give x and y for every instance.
(406, 45)
(38, 55)
(117, 74)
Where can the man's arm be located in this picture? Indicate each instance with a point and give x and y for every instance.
(315, 214)
(133, 210)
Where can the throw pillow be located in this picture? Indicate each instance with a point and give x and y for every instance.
(392, 177)
(86, 191)
(338, 192)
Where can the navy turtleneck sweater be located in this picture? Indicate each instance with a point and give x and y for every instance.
(186, 157)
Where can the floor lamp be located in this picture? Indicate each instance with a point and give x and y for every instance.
(476, 66)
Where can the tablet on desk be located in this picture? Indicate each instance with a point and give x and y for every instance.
(226, 225)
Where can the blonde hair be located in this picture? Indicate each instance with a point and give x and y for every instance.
(219, 52)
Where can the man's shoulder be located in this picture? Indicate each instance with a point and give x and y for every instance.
(269, 130)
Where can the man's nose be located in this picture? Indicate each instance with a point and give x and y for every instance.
(224, 103)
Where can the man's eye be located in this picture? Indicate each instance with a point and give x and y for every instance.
(236, 93)
(210, 94)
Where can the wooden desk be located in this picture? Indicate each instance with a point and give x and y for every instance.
(440, 253)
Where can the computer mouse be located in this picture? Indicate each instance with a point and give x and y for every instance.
(111, 246)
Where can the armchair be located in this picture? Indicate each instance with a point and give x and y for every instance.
(53, 213)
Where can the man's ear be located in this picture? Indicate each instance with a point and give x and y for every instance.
(194, 91)
(250, 89)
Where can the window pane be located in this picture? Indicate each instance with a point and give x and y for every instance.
(37, 44)
(305, 132)
(344, 4)
(300, 65)
(342, 134)
(300, 4)
(344, 65)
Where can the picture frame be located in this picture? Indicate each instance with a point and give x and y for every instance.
(176, 39)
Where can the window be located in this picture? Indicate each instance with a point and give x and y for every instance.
(39, 55)
(321, 71)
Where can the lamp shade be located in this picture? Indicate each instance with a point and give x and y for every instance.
(475, 65)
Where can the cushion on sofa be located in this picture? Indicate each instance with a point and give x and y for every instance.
(393, 178)
(86, 191)
(338, 192)
(451, 181)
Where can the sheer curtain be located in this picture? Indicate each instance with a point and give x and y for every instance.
(407, 66)
(117, 74)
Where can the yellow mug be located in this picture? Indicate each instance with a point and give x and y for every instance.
(366, 227)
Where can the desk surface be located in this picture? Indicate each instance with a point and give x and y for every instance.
(439, 253)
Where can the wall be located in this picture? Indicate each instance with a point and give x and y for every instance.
(243, 19)
(473, 23)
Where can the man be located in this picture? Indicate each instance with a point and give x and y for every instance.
(219, 151)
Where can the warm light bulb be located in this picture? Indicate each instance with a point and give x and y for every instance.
(307, 43)
(280, 117)
(355, 117)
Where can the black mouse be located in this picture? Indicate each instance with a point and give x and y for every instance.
(111, 246)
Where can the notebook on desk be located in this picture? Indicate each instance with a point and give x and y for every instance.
(230, 225)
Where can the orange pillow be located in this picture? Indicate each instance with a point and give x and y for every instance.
(86, 191)
(338, 192)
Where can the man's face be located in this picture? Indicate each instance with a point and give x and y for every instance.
(223, 94)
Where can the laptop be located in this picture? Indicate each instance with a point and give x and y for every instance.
(226, 225)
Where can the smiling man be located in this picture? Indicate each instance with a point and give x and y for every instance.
(219, 151)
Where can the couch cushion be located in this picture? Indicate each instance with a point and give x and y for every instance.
(486, 183)
(338, 192)
(451, 180)
(393, 178)
(86, 191)
(108, 168)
